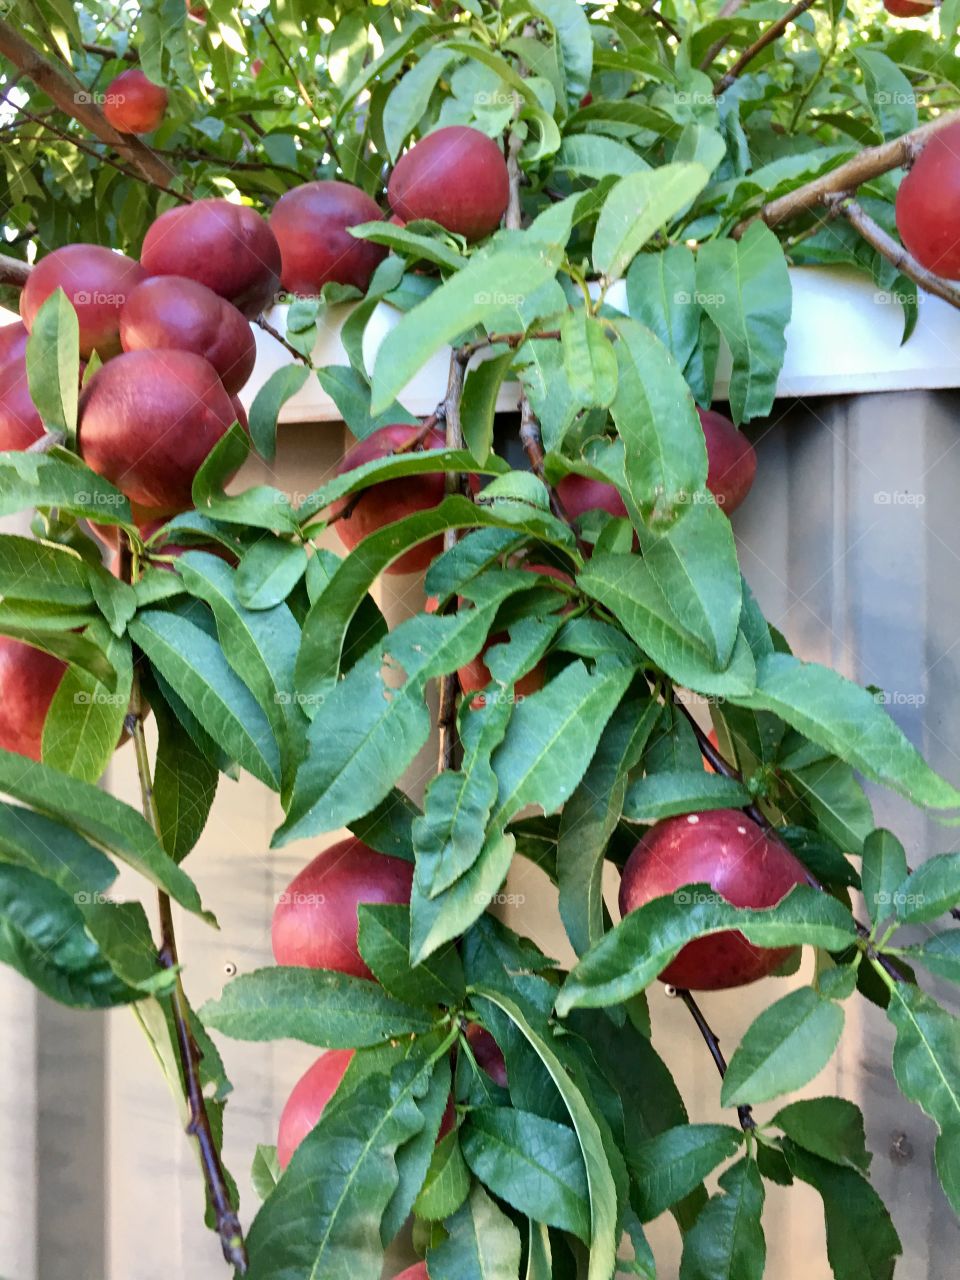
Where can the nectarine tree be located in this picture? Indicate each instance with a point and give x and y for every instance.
(558, 216)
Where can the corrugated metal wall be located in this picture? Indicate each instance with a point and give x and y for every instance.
(851, 543)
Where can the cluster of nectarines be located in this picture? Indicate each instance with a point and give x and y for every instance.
(315, 925)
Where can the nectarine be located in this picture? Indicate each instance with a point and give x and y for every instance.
(455, 176)
(907, 8)
(731, 461)
(28, 680)
(307, 1101)
(228, 247)
(13, 341)
(391, 499)
(927, 203)
(134, 104)
(741, 863)
(580, 494)
(97, 282)
(487, 1053)
(20, 421)
(316, 248)
(417, 1272)
(147, 421)
(173, 312)
(315, 921)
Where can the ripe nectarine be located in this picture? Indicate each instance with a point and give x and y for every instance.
(315, 921)
(455, 176)
(307, 1100)
(927, 202)
(228, 247)
(741, 863)
(316, 248)
(97, 282)
(391, 499)
(134, 104)
(487, 1053)
(907, 8)
(28, 680)
(417, 1272)
(175, 313)
(147, 421)
(731, 461)
(580, 494)
(13, 341)
(20, 421)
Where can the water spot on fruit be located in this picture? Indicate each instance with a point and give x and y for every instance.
(693, 818)
(741, 831)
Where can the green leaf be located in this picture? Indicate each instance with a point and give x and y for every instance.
(318, 1006)
(42, 936)
(569, 22)
(831, 1128)
(850, 723)
(727, 1238)
(324, 1217)
(664, 795)
(625, 585)
(783, 1049)
(665, 454)
(184, 784)
(273, 395)
(883, 871)
(53, 364)
(116, 600)
(661, 294)
(629, 957)
(53, 851)
(265, 1170)
(590, 817)
(479, 403)
(408, 101)
(481, 1244)
(552, 736)
(888, 94)
(638, 206)
(414, 246)
(435, 921)
(533, 1164)
(58, 480)
(669, 1166)
(99, 817)
(447, 1182)
(350, 392)
(600, 1183)
(384, 939)
(862, 1243)
(490, 285)
(268, 572)
(744, 287)
(590, 155)
(926, 1063)
(259, 505)
(836, 799)
(85, 717)
(31, 570)
(197, 669)
(930, 891)
(589, 359)
(414, 1157)
(392, 466)
(940, 954)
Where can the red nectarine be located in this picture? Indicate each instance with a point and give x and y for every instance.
(147, 421)
(315, 921)
(20, 421)
(907, 8)
(228, 247)
(13, 341)
(731, 461)
(391, 499)
(580, 494)
(175, 313)
(455, 176)
(741, 863)
(487, 1053)
(28, 680)
(134, 104)
(316, 248)
(97, 282)
(417, 1272)
(309, 1097)
(927, 204)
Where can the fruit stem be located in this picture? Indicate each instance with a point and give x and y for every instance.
(744, 1111)
(279, 337)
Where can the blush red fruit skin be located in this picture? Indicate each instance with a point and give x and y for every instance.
(310, 223)
(315, 922)
(927, 200)
(580, 494)
(906, 8)
(134, 104)
(176, 313)
(487, 1053)
(455, 176)
(97, 282)
(13, 341)
(731, 461)
(20, 421)
(28, 680)
(228, 247)
(147, 421)
(417, 1272)
(741, 863)
(391, 500)
(307, 1100)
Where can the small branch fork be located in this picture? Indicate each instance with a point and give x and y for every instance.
(772, 33)
(887, 247)
(744, 1111)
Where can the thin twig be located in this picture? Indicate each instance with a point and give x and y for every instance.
(304, 93)
(846, 178)
(267, 327)
(728, 10)
(890, 249)
(13, 271)
(415, 442)
(453, 483)
(198, 1127)
(772, 33)
(744, 1111)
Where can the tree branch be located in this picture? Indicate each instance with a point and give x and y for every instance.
(453, 483)
(227, 1220)
(846, 178)
(744, 1111)
(302, 90)
(13, 271)
(72, 97)
(887, 247)
(772, 33)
